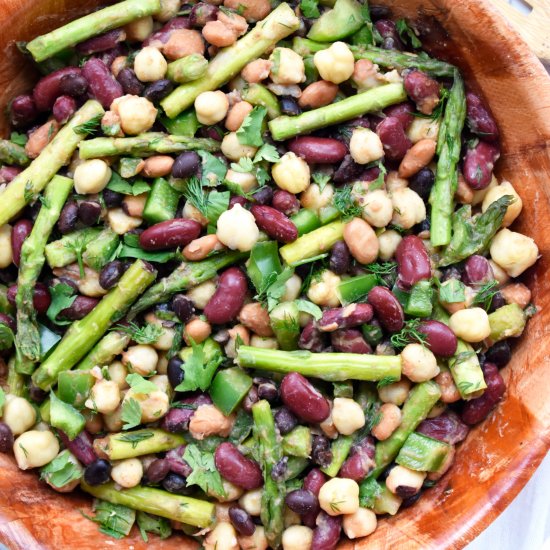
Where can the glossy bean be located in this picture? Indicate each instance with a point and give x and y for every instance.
(499, 354)
(393, 138)
(302, 501)
(289, 106)
(439, 338)
(321, 454)
(98, 472)
(345, 317)
(163, 34)
(479, 163)
(23, 111)
(285, 202)
(237, 468)
(313, 482)
(311, 338)
(174, 371)
(389, 34)
(477, 271)
(340, 258)
(422, 182)
(175, 483)
(317, 150)
(177, 464)
(89, 212)
(360, 461)
(177, 420)
(202, 13)
(20, 231)
(157, 470)
(48, 88)
(318, 94)
(158, 90)
(349, 340)
(170, 234)
(348, 170)
(103, 85)
(81, 447)
(8, 320)
(476, 410)
(237, 199)
(480, 120)
(274, 223)
(263, 196)
(41, 297)
(73, 84)
(327, 532)
(447, 427)
(64, 108)
(130, 83)
(303, 399)
(186, 165)
(6, 438)
(101, 42)
(242, 521)
(402, 111)
(285, 420)
(413, 262)
(111, 274)
(79, 308)
(229, 297)
(183, 307)
(422, 89)
(387, 308)
(249, 400)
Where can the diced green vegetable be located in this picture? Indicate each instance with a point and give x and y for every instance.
(386, 502)
(101, 249)
(305, 221)
(285, 324)
(162, 202)
(229, 388)
(422, 453)
(73, 387)
(65, 417)
(185, 124)
(355, 289)
(419, 303)
(343, 20)
(507, 322)
(340, 450)
(298, 442)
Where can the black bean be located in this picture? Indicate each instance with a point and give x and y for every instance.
(242, 521)
(499, 354)
(409, 501)
(111, 274)
(186, 165)
(174, 371)
(451, 272)
(302, 501)
(158, 470)
(129, 81)
(74, 85)
(497, 302)
(278, 472)
(250, 399)
(320, 451)
(289, 106)
(348, 170)
(183, 307)
(421, 183)
(285, 420)
(263, 196)
(89, 212)
(6, 438)
(68, 218)
(268, 391)
(112, 199)
(37, 394)
(174, 483)
(98, 472)
(158, 90)
(340, 258)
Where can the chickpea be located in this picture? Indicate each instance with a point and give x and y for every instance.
(400, 476)
(377, 208)
(251, 502)
(245, 180)
(366, 75)
(150, 65)
(137, 114)
(92, 176)
(158, 166)
(388, 241)
(209, 420)
(327, 426)
(40, 138)
(113, 422)
(365, 146)
(222, 537)
(231, 492)
(323, 291)
(120, 222)
(200, 248)
(395, 393)
(472, 325)
(263, 342)
(168, 10)
(513, 251)
(500, 275)
(495, 193)
(35, 448)
(94, 422)
(200, 295)
(222, 511)
(237, 332)
(104, 397)
(192, 213)
(135, 204)
(256, 71)
(234, 150)
(423, 128)
(254, 10)
(255, 317)
(339, 496)
(291, 173)
(517, 293)
(237, 229)
(211, 107)
(256, 541)
(361, 240)
(197, 330)
(394, 182)
(183, 42)
(292, 289)
(449, 391)
(313, 199)
(139, 29)
(418, 363)
(127, 473)
(335, 64)
(162, 382)
(237, 114)
(118, 373)
(318, 94)
(297, 537)
(390, 419)
(417, 157)
(360, 524)
(482, 193)
(141, 359)
(453, 307)
(287, 67)
(408, 208)
(347, 415)
(153, 405)
(19, 414)
(6, 255)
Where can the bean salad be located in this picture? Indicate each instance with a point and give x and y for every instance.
(257, 276)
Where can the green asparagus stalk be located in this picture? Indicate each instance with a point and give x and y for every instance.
(187, 275)
(285, 324)
(270, 452)
(340, 450)
(63, 251)
(298, 442)
(188, 68)
(16, 382)
(285, 127)
(49, 44)
(103, 353)
(448, 149)
(313, 243)
(5, 306)
(332, 367)
(144, 145)
(100, 249)
(306, 46)
(83, 334)
(25, 186)
(228, 62)
(136, 443)
(11, 153)
(191, 511)
(32, 260)
(419, 403)
(258, 94)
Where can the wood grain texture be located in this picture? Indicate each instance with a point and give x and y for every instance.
(500, 455)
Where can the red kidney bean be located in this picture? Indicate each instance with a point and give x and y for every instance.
(21, 230)
(422, 89)
(274, 223)
(348, 170)
(480, 120)
(177, 464)
(345, 317)
(229, 297)
(413, 262)
(74, 85)
(389, 34)
(241, 520)
(158, 470)
(79, 308)
(499, 354)
(64, 108)
(393, 138)
(102, 42)
(6, 438)
(349, 340)
(360, 461)
(236, 199)
(251, 398)
(81, 446)
(202, 13)
(41, 298)
(311, 338)
(403, 112)
(103, 85)
(23, 111)
(263, 196)
(476, 410)
(129, 81)
(314, 480)
(317, 150)
(446, 427)
(340, 258)
(387, 308)
(237, 468)
(477, 271)
(439, 338)
(285, 202)
(479, 163)
(303, 399)
(8, 321)
(170, 234)
(327, 533)
(48, 88)
(8, 173)
(302, 501)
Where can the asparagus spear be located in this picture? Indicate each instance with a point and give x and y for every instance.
(25, 186)
(99, 250)
(83, 334)
(63, 251)
(188, 68)
(332, 367)
(191, 511)
(49, 44)
(11, 153)
(187, 275)
(16, 382)
(136, 443)
(229, 61)
(144, 145)
(340, 448)
(270, 452)
(448, 149)
(507, 322)
(103, 353)
(32, 260)
(419, 403)
(285, 127)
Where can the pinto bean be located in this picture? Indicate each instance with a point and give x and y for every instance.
(40, 138)
(157, 166)
(345, 317)
(477, 410)
(439, 338)
(401, 111)
(79, 308)
(361, 240)
(417, 157)
(318, 94)
(255, 317)
(318, 150)
(311, 338)
(285, 202)
(274, 223)
(303, 399)
(47, 90)
(229, 297)
(237, 468)
(422, 89)
(102, 42)
(479, 163)
(480, 120)
(20, 231)
(349, 340)
(393, 138)
(41, 297)
(446, 427)
(23, 111)
(199, 248)
(103, 85)
(413, 262)
(387, 308)
(170, 234)
(64, 108)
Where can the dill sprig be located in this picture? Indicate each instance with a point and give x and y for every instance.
(78, 246)
(485, 294)
(89, 127)
(345, 202)
(142, 335)
(409, 334)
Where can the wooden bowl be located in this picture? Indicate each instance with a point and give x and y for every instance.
(501, 454)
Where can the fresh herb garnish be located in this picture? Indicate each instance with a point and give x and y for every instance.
(407, 34)
(409, 334)
(63, 297)
(273, 288)
(131, 413)
(114, 520)
(213, 170)
(147, 334)
(250, 132)
(198, 371)
(386, 272)
(386, 381)
(140, 384)
(369, 491)
(63, 469)
(211, 205)
(321, 180)
(204, 473)
(89, 127)
(135, 438)
(18, 139)
(309, 9)
(451, 291)
(78, 246)
(305, 306)
(28, 192)
(344, 201)
(147, 523)
(485, 294)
